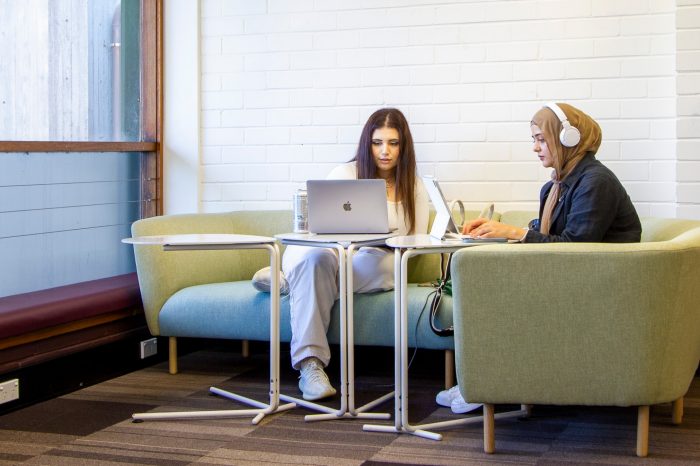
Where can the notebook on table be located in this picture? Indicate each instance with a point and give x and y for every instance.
(444, 226)
(347, 206)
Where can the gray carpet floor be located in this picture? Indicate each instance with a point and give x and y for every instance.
(93, 426)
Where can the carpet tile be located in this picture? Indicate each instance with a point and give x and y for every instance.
(92, 426)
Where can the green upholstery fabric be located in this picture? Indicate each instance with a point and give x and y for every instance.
(580, 323)
(209, 293)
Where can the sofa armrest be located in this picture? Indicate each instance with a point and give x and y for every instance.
(599, 324)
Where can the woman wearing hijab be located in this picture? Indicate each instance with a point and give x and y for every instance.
(584, 201)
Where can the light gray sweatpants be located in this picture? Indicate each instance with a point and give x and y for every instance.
(312, 274)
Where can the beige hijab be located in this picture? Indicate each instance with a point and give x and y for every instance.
(565, 158)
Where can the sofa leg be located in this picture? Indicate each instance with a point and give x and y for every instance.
(677, 416)
(449, 369)
(489, 436)
(527, 410)
(643, 431)
(245, 348)
(172, 355)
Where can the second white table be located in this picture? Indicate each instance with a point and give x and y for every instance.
(345, 245)
(406, 247)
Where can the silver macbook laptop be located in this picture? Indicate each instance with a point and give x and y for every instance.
(444, 226)
(347, 206)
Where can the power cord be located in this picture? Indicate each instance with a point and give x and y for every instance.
(443, 283)
(415, 330)
(434, 297)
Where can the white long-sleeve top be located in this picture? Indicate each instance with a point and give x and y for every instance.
(348, 171)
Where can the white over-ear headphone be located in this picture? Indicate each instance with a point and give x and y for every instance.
(569, 135)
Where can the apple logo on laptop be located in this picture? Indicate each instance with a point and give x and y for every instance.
(347, 207)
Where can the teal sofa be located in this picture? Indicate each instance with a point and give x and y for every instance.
(209, 294)
(580, 324)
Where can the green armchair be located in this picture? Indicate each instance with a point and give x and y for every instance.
(580, 324)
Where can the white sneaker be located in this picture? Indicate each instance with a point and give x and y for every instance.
(453, 399)
(313, 381)
(445, 397)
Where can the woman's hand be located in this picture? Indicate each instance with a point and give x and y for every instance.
(469, 227)
(484, 228)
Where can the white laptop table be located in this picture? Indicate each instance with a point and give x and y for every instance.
(406, 247)
(230, 241)
(345, 245)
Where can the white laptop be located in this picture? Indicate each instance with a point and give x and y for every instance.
(444, 226)
(347, 206)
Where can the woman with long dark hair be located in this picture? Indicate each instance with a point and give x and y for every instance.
(385, 151)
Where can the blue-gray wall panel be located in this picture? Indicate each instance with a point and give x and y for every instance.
(62, 218)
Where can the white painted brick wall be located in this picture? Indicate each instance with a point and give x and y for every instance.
(688, 111)
(287, 85)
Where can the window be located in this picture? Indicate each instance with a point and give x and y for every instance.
(79, 137)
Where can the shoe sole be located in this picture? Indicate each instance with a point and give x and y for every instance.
(318, 397)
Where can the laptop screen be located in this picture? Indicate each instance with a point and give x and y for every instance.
(443, 222)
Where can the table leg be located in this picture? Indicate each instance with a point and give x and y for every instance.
(329, 413)
(347, 357)
(360, 412)
(420, 430)
(261, 409)
(397, 355)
